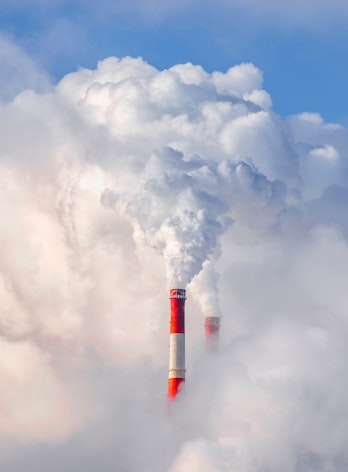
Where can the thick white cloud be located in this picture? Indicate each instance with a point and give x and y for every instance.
(35, 403)
(125, 179)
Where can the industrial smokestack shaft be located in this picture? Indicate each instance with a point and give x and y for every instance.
(176, 372)
(212, 326)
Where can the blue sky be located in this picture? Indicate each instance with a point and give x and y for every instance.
(300, 47)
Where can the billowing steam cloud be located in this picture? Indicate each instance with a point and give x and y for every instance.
(123, 181)
(181, 207)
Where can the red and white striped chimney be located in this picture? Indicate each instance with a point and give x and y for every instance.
(212, 326)
(176, 372)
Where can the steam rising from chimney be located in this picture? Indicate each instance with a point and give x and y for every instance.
(199, 172)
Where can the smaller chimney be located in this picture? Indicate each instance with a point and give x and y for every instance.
(212, 325)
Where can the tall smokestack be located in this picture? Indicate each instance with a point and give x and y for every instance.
(176, 372)
(212, 326)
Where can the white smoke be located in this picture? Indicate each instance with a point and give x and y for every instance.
(122, 178)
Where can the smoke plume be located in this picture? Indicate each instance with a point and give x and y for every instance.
(124, 181)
